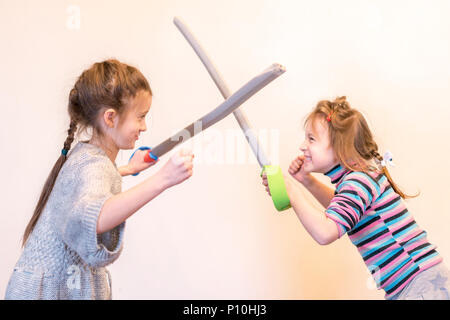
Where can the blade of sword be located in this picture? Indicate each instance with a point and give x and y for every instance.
(224, 90)
(220, 112)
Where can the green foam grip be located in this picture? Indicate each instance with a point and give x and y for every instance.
(277, 187)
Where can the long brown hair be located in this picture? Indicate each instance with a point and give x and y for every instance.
(107, 84)
(350, 137)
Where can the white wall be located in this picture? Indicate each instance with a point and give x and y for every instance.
(218, 235)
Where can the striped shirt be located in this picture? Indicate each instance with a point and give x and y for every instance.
(394, 248)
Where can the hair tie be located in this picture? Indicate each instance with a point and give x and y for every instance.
(64, 152)
(329, 116)
(387, 159)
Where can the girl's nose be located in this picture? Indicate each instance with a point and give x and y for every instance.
(303, 146)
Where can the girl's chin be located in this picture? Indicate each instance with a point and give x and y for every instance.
(308, 166)
(128, 146)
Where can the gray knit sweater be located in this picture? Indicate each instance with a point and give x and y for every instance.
(64, 258)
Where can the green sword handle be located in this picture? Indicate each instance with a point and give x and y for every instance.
(277, 187)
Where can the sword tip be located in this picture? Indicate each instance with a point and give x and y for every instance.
(278, 68)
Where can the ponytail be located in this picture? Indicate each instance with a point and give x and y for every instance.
(48, 186)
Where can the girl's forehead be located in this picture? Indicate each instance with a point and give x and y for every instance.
(316, 126)
(141, 102)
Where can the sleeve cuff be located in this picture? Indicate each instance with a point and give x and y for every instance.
(105, 248)
(340, 227)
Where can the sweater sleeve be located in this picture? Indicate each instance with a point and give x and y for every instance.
(351, 200)
(84, 192)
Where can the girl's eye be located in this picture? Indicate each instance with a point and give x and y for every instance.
(311, 139)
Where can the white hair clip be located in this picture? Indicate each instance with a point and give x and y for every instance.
(387, 159)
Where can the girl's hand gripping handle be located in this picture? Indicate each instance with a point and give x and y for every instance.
(273, 180)
(141, 159)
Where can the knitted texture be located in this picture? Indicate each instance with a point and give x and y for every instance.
(64, 258)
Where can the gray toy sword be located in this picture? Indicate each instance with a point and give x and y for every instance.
(229, 105)
(274, 175)
(220, 112)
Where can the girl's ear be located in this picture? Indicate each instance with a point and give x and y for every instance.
(109, 117)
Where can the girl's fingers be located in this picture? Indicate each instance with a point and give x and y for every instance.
(294, 168)
(188, 165)
(299, 161)
(186, 152)
(264, 179)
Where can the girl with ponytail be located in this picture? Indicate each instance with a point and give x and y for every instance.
(78, 223)
(365, 204)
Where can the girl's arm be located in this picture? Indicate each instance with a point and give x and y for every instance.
(319, 190)
(136, 164)
(121, 206)
(125, 171)
(319, 226)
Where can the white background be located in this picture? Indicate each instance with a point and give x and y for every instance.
(218, 236)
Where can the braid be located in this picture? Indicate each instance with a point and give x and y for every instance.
(376, 155)
(71, 134)
(46, 191)
(385, 171)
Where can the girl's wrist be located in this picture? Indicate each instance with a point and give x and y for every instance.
(162, 180)
(307, 181)
(125, 171)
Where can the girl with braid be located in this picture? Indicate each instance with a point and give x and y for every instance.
(366, 204)
(78, 224)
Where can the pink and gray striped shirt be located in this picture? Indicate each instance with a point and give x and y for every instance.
(394, 248)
